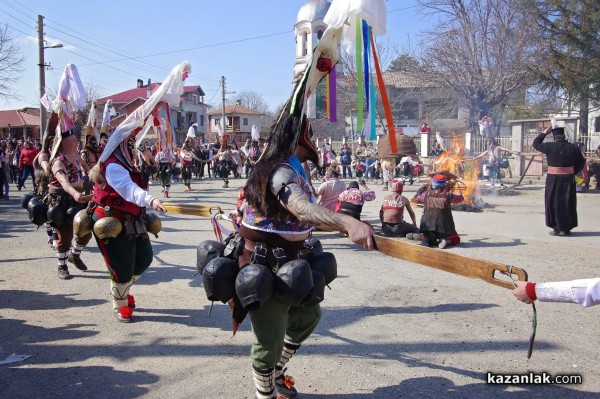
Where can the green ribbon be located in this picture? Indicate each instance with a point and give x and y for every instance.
(359, 76)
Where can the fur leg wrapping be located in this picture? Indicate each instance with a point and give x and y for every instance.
(119, 293)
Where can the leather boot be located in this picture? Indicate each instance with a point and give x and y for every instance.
(77, 262)
(63, 273)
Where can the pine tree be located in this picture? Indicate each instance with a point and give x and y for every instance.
(570, 52)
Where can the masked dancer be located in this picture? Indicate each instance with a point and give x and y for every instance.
(120, 196)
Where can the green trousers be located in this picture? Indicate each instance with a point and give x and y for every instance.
(126, 257)
(276, 321)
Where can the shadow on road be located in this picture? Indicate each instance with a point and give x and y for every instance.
(440, 387)
(480, 243)
(76, 382)
(33, 300)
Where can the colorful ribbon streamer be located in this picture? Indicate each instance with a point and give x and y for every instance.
(366, 55)
(169, 131)
(385, 101)
(373, 110)
(327, 97)
(359, 77)
(332, 95)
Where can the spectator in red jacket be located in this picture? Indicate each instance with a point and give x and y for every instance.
(25, 165)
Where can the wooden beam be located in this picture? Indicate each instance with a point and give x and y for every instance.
(190, 209)
(448, 261)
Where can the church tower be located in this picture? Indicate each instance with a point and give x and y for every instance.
(308, 31)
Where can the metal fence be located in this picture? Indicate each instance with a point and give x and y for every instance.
(478, 143)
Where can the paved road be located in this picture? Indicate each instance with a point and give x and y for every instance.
(390, 329)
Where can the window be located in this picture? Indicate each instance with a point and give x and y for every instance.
(201, 120)
(319, 34)
(304, 43)
(597, 124)
(217, 121)
(194, 99)
(245, 121)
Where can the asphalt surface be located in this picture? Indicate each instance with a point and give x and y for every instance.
(390, 328)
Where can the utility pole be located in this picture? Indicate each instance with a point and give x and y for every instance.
(223, 108)
(42, 66)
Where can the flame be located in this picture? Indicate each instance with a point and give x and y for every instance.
(466, 170)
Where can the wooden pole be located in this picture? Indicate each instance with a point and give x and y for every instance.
(190, 209)
(525, 171)
(448, 261)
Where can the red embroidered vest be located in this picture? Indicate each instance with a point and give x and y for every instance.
(107, 196)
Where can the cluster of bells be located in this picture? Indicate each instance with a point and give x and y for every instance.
(298, 282)
(83, 224)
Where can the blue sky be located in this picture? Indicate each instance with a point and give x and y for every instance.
(113, 43)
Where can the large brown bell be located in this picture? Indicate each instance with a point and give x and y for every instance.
(82, 223)
(153, 224)
(108, 227)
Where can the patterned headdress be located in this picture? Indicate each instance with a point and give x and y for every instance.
(71, 98)
(139, 121)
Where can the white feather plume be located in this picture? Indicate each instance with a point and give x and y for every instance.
(255, 133)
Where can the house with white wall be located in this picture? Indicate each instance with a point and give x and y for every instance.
(191, 108)
(238, 122)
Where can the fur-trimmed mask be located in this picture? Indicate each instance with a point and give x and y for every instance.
(305, 140)
(127, 149)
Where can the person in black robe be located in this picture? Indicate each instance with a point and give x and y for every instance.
(564, 161)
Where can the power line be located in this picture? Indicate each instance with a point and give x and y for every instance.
(208, 45)
(402, 9)
(162, 68)
(12, 16)
(20, 31)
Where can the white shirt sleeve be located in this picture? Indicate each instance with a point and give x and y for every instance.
(584, 292)
(119, 179)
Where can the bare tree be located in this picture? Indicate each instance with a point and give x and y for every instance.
(479, 49)
(270, 118)
(11, 64)
(81, 117)
(253, 100)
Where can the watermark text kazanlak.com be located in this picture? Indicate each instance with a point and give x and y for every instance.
(534, 378)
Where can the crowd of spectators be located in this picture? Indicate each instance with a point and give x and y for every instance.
(16, 160)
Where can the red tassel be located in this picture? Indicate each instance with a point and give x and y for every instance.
(126, 312)
(324, 64)
(131, 301)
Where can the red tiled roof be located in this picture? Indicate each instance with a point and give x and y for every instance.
(19, 117)
(188, 89)
(234, 109)
(127, 96)
(116, 121)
